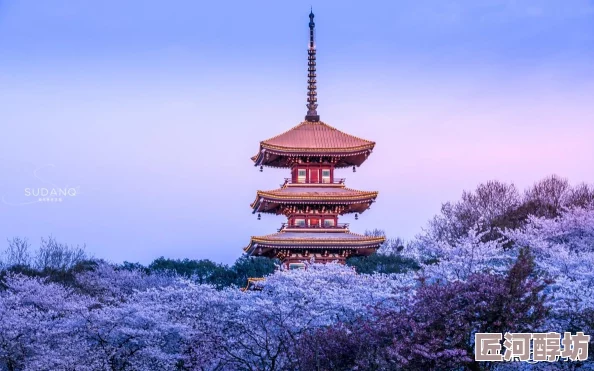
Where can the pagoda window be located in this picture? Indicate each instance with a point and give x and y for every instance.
(301, 175)
(329, 223)
(299, 222)
(326, 176)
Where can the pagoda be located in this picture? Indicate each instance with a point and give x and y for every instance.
(312, 198)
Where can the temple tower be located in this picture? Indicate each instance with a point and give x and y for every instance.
(312, 198)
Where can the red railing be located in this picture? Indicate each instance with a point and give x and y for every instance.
(320, 226)
(321, 181)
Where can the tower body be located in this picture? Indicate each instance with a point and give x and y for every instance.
(312, 199)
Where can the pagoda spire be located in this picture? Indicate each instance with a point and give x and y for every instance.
(312, 99)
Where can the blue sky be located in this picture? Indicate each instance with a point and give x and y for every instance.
(152, 110)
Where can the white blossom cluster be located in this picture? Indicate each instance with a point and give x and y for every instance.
(444, 261)
(564, 251)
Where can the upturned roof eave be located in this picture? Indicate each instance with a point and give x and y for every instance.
(359, 237)
(266, 196)
(317, 198)
(322, 242)
(269, 241)
(295, 151)
(314, 241)
(316, 150)
(320, 146)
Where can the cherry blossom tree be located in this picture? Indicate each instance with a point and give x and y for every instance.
(458, 260)
(35, 323)
(436, 327)
(564, 250)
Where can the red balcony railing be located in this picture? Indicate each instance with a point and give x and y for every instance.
(321, 181)
(318, 226)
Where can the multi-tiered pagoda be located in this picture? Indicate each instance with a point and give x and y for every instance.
(312, 199)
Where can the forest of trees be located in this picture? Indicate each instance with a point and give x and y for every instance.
(498, 260)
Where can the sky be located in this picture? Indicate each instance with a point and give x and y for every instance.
(151, 111)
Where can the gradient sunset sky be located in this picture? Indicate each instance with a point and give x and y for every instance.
(152, 111)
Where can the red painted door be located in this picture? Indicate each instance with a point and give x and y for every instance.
(313, 175)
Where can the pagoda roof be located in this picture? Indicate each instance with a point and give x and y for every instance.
(313, 138)
(296, 193)
(314, 240)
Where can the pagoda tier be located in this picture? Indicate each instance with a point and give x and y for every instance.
(326, 244)
(314, 141)
(316, 198)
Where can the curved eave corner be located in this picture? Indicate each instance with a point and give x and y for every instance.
(254, 205)
(257, 158)
(251, 246)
